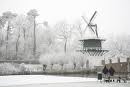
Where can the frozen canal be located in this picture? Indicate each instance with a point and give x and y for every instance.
(54, 81)
(78, 84)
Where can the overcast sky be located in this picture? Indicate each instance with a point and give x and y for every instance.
(113, 16)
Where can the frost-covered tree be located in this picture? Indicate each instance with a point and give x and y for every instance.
(7, 18)
(82, 60)
(32, 15)
(74, 59)
(21, 26)
(44, 61)
(46, 40)
(62, 59)
(119, 44)
(64, 32)
(1, 31)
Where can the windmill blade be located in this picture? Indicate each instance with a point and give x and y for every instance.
(85, 28)
(85, 20)
(92, 16)
(88, 24)
(96, 30)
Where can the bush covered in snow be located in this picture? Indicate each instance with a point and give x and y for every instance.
(11, 68)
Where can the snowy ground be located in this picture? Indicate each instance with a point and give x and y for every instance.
(54, 81)
(39, 79)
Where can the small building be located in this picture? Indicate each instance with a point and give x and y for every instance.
(120, 67)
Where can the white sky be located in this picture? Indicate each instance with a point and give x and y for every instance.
(113, 16)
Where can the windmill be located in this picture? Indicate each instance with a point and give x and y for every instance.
(92, 46)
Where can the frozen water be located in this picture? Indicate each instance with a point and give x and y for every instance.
(39, 79)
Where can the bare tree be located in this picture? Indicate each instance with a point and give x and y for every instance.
(64, 33)
(81, 29)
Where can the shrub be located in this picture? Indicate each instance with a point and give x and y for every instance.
(10, 68)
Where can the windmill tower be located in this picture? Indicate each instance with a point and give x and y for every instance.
(92, 46)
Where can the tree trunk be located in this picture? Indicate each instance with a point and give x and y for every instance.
(87, 64)
(65, 46)
(44, 67)
(82, 67)
(7, 37)
(74, 66)
(17, 44)
(24, 40)
(34, 49)
(1, 41)
(52, 66)
(62, 65)
(1, 44)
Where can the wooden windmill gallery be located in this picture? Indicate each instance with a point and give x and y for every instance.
(92, 46)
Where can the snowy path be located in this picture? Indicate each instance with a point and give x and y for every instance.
(39, 79)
